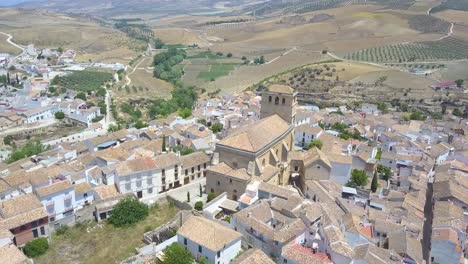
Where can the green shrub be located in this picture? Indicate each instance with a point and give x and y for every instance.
(211, 196)
(59, 115)
(177, 254)
(199, 206)
(36, 247)
(128, 212)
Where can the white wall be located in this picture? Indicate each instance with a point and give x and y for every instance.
(58, 200)
(226, 254)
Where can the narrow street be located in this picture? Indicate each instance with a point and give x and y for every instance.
(428, 216)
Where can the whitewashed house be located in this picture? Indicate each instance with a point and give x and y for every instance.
(59, 200)
(208, 239)
(304, 134)
(84, 195)
(39, 114)
(138, 176)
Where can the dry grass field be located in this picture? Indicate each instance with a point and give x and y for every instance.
(105, 244)
(145, 84)
(6, 47)
(45, 29)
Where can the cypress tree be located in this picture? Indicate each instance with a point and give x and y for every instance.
(374, 183)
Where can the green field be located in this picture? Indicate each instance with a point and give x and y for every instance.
(83, 80)
(205, 55)
(216, 71)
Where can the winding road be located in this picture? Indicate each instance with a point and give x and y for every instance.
(10, 37)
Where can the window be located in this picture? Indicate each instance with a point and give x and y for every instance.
(163, 172)
(35, 233)
(235, 191)
(204, 165)
(230, 181)
(303, 134)
(199, 249)
(219, 183)
(296, 168)
(285, 261)
(276, 100)
(198, 167)
(42, 231)
(218, 254)
(128, 186)
(318, 167)
(138, 184)
(149, 181)
(193, 169)
(85, 195)
(185, 241)
(186, 171)
(283, 101)
(269, 99)
(150, 190)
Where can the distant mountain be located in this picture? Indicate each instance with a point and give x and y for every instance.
(122, 7)
(15, 2)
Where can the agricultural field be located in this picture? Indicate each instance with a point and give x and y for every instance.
(142, 83)
(443, 50)
(455, 16)
(215, 71)
(84, 81)
(51, 30)
(102, 243)
(451, 4)
(428, 24)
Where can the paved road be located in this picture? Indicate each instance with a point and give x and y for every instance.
(427, 228)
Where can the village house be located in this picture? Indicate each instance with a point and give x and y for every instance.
(270, 225)
(304, 134)
(208, 239)
(24, 216)
(59, 200)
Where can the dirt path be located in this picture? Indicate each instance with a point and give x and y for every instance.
(10, 37)
(286, 53)
(129, 81)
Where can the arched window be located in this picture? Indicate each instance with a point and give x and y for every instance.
(276, 100)
(269, 99)
(283, 101)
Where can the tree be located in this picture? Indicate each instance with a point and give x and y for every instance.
(229, 55)
(199, 206)
(459, 83)
(217, 127)
(188, 197)
(244, 58)
(127, 212)
(101, 92)
(185, 112)
(8, 140)
(358, 178)
(36, 247)
(385, 172)
(164, 144)
(374, 183)
(201, 190)
(317, 143)
(210, 197)
(81, 95)
(30, 149)
(177, 254)
(59, 115)
(60, 50)
(140, 124)
(158, 43)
